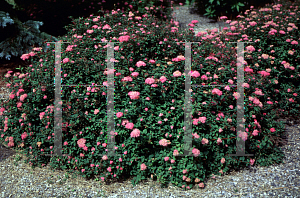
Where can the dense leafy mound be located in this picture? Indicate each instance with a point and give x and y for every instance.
(150, 121)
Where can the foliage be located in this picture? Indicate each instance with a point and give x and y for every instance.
(149, 127)
(216, 8)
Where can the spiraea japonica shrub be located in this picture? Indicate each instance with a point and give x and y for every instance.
(149, 93)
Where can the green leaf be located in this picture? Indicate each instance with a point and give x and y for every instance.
(240, 4)
(218, 2)
(207, 9)
(211, 1)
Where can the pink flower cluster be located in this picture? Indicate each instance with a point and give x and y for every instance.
(11, 141)
(164, 142)
(81, 144)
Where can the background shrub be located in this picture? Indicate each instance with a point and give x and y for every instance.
(56, 13)
(213, 9)
(18, 33)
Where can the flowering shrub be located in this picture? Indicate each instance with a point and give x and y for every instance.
(149, 80)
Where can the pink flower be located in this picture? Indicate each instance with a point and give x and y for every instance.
(196, 135)
(202, 119)
(24, 135)
(152, 61)
(163, 79)
(21, 76)
(184, 171)
(252, 161)
(123, 38)
(204, 77)
(201, 185)
(243, 135)
(164, 142)
(143, 167)
(96, 111)
(191, 25)
(195, 74)
(219, 141)
(149, 81)
(217, 91)
(10, 144)
(124, 122)
(129, 126)
(19, 104)
(81, 142)
(194, 21)
(252, 23)
(196, 152)
(263, 73)
(135, 74)
(294, 43)
(25, 56)
(108, 27)
(255, 132)
(175, 152)
(95, 19)
(119, 114)
(109, 169)
(177, 73)
(65, 60)
(272, 130)
(104, 157)
(134, 95)
(12, 96)
(172, 161)
(135, 133)
(223, 17)
(223, 160)
(22, 98)
(166, 159)
(204, 141)
(90, 31)
(140, 63)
